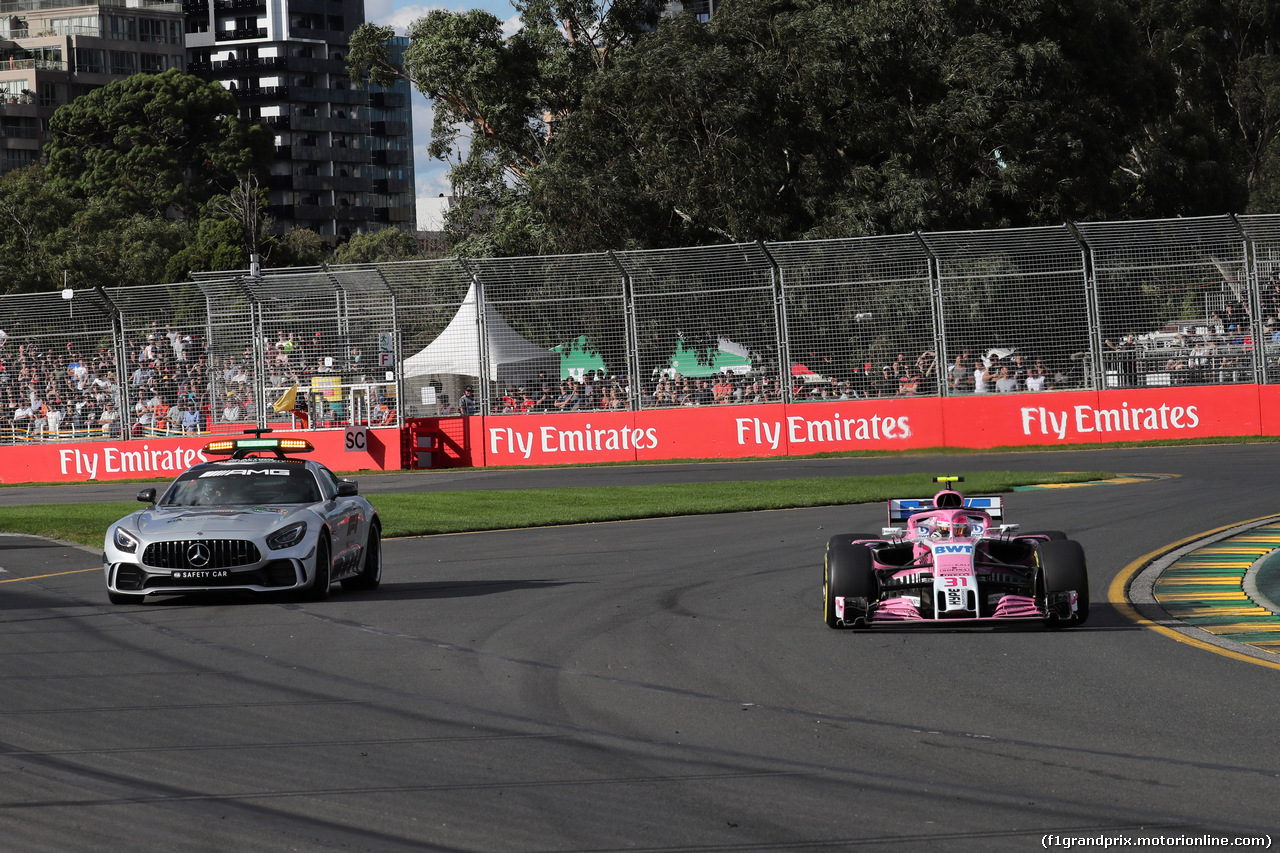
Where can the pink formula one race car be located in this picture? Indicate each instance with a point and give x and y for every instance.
(954, 562)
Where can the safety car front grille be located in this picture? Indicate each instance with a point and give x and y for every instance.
(201, 554)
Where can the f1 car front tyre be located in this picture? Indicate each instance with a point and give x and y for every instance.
(1063, 570)
(848, 573)
(370, 564)
(1053, 535)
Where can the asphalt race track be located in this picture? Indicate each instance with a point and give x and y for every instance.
(663, 685)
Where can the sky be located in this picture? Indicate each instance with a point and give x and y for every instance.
(430, 178)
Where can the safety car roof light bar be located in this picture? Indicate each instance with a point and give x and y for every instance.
(241, 448)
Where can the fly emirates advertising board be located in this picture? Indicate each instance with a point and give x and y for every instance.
(166, 458)
(731, 432)
(980, 422)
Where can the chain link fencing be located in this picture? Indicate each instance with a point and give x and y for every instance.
(858, 318)
(1174, 302)
(1013, 313)
(706, 325)
(55, 349)
(1263, 233)
(555, 329)
(1079, 306)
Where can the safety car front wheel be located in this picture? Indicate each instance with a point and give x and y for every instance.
(319, 589)
(370, 565)
(848, 573)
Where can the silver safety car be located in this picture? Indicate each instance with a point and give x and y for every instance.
(259, 520)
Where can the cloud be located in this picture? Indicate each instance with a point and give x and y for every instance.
(400, 15)
(511, 25)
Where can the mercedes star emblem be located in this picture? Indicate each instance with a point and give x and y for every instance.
(198, 554)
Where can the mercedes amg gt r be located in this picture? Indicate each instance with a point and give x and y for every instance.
(260, 521)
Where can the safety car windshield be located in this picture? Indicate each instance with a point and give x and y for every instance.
(243, 485)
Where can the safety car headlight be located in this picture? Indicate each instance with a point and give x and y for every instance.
(125, 541)
(288, 536)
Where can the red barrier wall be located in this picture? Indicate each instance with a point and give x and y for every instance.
(88, 461)
(711, 432)
(798, 429)
(726, 432)
(1089, 417)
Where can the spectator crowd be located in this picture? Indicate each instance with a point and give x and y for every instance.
(172, 386)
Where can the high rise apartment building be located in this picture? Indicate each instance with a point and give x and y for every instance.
(344, 154)
(53, 51)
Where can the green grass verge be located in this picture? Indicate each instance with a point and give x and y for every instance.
(412, 514)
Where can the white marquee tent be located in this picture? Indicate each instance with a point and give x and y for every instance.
(456, 350)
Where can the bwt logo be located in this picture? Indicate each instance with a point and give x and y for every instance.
(953, 549)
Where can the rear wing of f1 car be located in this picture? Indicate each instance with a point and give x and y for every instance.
(900, 509)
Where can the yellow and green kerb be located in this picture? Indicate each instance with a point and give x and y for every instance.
(1206, 588)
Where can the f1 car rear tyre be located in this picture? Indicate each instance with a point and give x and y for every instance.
(319, 589)
(124, 598)
(1062, 569)
(848, 572)
(370, 574)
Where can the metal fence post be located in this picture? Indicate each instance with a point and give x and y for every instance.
(1092, 318)
(631, 337)
(119, 351)
(780, 311)
(121, 356)
(939, 317)
(397, 355)
(1263, 236)
(1259, 335)
(482, 335)
(260, 364)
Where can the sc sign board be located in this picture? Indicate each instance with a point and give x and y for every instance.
(357, 440)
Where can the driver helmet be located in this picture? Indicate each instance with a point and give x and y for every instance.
(951, 529)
